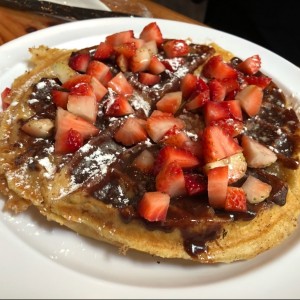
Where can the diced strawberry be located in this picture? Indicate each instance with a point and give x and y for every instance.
(97, 69)
(170, 102)
(214, 111)
(256, 154)
(168, 154)
(217, 144)
(156, 66)
(157, 126)
(5, 98)
(176, 48)
(118, 106)
(217, 90)
(170, 180)
(236, 163)
(197, 100)
(98, 88)
(250, 99)
(72, 142)
(75, 80)
(107, 78)
(176, 138)
(152, 32)
(234, 109)
(173, 64)
(188, 85)
(152, 47)
(235, 200)
(119, 38)
(215, 67)
(141, 60)
(66, 121)
(122, 62)
(154, 206)
(60, 97)
(157, 113)
(261, 81)
(138, 42)
(120, 85)
(103, 51)
(79, 61)
(144, 161)
(131, 132)
(84, 106)
(217, 183)
(230, 84)
(82, 89)
(195, 184)
(251, 65)
(232, 126)
(256, 190)
(127, 49)
(148, 78)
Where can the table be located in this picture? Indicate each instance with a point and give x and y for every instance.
(15, 23)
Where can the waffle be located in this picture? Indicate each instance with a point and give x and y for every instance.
(94, 185)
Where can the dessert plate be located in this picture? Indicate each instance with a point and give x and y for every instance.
(40, 259)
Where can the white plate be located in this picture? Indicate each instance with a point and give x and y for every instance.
(40, 259)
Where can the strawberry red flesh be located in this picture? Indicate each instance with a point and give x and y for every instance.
(236, 199)
(195, 184)
(154, 206)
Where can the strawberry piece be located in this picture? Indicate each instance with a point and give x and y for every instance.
(235, 200)
(250, 99)
(65, 121)
(60, 97)
(176, 48)
(217, 90)
(195, 184)
(256, 154)
(170, 180)
(168, 154)
(103, 51)
(127, 49)
(215, 111)
(152, 47)
(144, 161)
(176, 138)
(122, 62)
(256, 190)
(119, 38)
(5, 98)
(236, 163)
(79, 61)
(232, 126)
(217, 144)
(261, 81)
(120, 85)
(156, 66)
(74, 141)
(157, 126)
(215, 67)
(188, 85)
(97, 69)
(217, 183)
(152, 32)
(251, 65)
(230, 84)
(170, 102)
(131, 132)
(98, 88)
(84, 106)
(148, 78)
(198, 100)
(141, 60)
(154, 206)
(117, 107)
